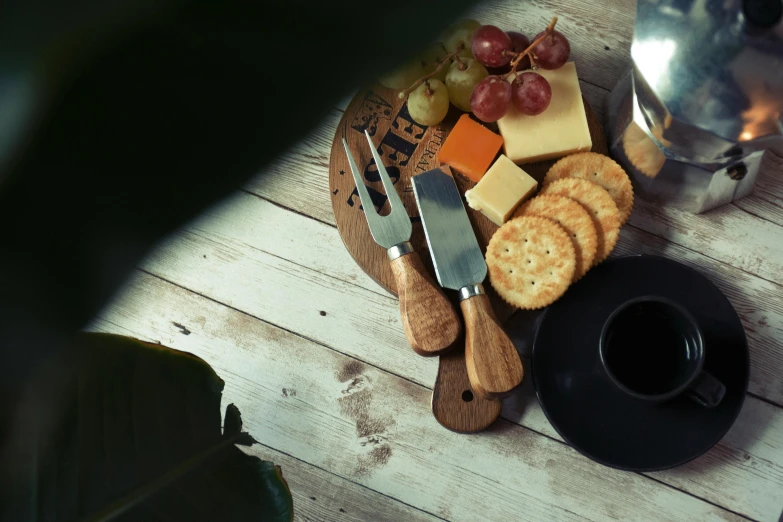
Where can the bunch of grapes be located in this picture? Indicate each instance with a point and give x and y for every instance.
(471, 70)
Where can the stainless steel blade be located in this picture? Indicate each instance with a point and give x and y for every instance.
(393, 228)
(453, 245)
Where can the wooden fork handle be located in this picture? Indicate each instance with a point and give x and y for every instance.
(431, 324)
(492, 360)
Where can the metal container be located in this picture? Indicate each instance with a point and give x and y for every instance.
(693, 118)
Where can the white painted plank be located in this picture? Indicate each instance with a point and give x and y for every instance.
(275, 252)
(376, 429)
(252, 226)
(727, 234)
(324, 497)
(766, 201)
(354, 320)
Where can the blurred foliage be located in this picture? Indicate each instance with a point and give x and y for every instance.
(137, 436)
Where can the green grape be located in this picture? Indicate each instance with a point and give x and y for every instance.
(460, 83)
(429, 105)
(461, 31)
(431, 57)
(403, 76)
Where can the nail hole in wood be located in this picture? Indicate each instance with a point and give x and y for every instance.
(467, 396)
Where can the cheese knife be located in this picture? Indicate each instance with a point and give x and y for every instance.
(430, 322)
(492, 360)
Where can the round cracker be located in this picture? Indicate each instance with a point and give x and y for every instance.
(598, 203)
(642, 151)
(574, 219)
(531, 261)
(598, 169)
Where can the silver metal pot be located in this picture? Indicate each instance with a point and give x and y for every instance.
(693, 118)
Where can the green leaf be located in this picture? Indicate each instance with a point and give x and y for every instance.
(137, 437)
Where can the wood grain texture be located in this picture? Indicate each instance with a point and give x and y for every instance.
(233, 235)
(766, 201)
(431, 324)
(292, 268)
(293, 271)
(718, 259)
(374, 428)
(454, 404)
(717, 234)
(494, 367)
(407, 149)
(324, 497)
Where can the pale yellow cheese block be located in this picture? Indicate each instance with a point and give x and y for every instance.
(560, 130)
(502, 189)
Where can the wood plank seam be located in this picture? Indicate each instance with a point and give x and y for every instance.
(352, 482)
(704, 499)
(511, 423)
(280, 205)
(734, 204)
(260, 447)
(669, 240)
(383, 294)
(297, 334)
(152, 277)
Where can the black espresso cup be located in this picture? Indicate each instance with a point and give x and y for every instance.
(652, 349)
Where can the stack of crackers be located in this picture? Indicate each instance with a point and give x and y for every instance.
(555, 238)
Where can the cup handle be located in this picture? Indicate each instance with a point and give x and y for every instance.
(707, 390)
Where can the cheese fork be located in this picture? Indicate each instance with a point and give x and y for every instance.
(431, 324)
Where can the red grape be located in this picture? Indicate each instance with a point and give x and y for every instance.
(491, 46)
(491, 99)
(520, 42)
(552, 52)
(531, 93)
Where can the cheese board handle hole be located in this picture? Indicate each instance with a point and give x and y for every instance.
(467, 396)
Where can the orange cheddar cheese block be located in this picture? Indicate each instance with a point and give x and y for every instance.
(470, 148)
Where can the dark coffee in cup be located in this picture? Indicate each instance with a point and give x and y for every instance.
(652, 349)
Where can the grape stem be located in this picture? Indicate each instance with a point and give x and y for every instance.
(529, 51)
(446, 59)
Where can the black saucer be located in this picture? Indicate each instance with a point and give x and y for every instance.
(594, 416)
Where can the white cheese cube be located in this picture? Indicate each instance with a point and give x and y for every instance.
(502, 189)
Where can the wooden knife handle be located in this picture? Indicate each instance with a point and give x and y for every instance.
(454, 404)
(493, 363)
(430, 321)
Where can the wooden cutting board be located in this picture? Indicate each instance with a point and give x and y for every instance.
(407, 149)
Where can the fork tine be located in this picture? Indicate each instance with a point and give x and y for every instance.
(391, 192)
(364, 196)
